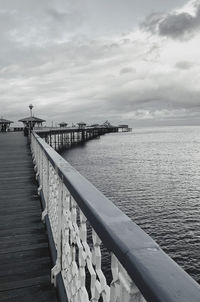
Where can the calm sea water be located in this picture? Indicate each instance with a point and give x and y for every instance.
(153, 175)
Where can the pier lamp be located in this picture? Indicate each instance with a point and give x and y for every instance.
(31, 107)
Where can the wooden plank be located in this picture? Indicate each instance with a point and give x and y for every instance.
(27, 282)
(21, 241)
(17, 198)
(27, 255)
(32, 230)
(15, 206)
(39, 293)
(16, 193)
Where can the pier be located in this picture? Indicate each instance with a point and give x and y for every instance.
(62, 138)
(52, 232)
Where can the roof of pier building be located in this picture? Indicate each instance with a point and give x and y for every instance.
(81, 123)
(94, 125)
(63, 124)
(107, 124)
(4, 121)
(32, 119)
(123, 126)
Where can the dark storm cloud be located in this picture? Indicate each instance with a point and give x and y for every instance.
(175, 25)
(178, 26)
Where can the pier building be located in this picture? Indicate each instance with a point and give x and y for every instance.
(81, 125)
(4, 125)
(32, 121)
(124, 128)
(63, 125)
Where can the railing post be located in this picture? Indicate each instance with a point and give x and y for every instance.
(122, 287)
(41, 171)
(46, 190)
(57, 268)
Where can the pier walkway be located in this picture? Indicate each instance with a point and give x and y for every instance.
(24, 253)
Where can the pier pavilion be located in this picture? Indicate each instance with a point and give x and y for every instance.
(81, 125)
(4, 125)
(124, 128)
(32, 121)
(63, 125)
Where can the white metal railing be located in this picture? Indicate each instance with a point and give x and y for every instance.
(73, 207)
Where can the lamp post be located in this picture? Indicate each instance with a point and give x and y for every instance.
(31, 108)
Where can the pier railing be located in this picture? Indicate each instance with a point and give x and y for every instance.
(82, 221)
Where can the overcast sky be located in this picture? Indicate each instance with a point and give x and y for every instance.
(128, 61)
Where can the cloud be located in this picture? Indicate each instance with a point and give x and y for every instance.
(125, 70)
(179, 26)
(152, 21)
(176, 25)
(69, 19)
(88, 78)
(185, 65)
(53, 57)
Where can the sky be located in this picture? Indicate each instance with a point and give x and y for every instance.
(130, 61)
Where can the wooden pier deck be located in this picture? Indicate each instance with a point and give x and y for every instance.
(24, 254)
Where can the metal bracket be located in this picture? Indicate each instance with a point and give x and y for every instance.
(37, 175)
(54, 272)
(40, 187)
(44, 213)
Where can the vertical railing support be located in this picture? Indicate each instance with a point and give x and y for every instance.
(57, 268)
(122, 287)
(46, 190)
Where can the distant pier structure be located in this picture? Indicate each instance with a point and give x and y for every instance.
(4, 125)
(124, 128)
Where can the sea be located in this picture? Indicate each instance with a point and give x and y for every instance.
(152, 175)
